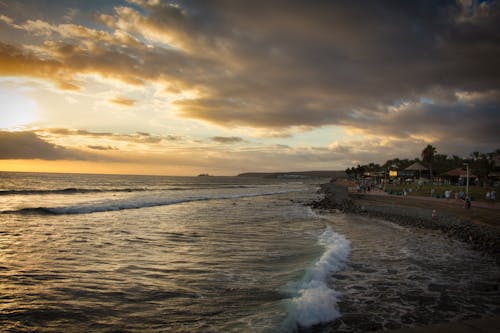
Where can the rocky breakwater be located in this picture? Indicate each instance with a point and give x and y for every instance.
(335, 196)
(480, 237)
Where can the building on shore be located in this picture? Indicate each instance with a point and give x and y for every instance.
(458, 176)
(413, 172)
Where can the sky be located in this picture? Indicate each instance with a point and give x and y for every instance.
(224, 87)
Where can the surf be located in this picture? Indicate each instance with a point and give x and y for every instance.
(313, 300)
(132, 203)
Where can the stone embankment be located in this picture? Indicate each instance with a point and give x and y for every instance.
(480, 237)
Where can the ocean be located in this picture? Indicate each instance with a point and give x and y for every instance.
(113, 253)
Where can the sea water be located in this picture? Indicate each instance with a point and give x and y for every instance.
(101, 253)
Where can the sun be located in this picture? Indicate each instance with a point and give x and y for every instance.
(16, 110)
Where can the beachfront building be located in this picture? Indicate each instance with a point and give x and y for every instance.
(458, 177)
(413, 172)
(417, 170)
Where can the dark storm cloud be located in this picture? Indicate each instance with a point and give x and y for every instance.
(298, 63)
(28, 145)
(477, 122)
(279, 64)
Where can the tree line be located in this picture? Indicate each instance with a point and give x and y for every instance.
(480, 164)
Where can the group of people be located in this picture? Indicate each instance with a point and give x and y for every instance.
(491, 196)
(458, 195)
(447, 194)
(367, 186)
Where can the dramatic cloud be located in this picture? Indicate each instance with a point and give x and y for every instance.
(215, 158)
(411, 71)
(28, 145)
(139, 137)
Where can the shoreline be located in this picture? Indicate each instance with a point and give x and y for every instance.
(476, 227)
(479, 231)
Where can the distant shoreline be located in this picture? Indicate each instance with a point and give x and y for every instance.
(296, 174)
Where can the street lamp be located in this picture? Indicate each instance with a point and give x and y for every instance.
(467, 181)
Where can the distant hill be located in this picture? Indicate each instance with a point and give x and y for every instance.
(296, 174)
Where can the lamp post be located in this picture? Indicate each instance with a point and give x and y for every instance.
(467, 181)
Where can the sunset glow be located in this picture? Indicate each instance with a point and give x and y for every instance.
(183, 87)
(17, 110)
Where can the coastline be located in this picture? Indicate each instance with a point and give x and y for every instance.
(477, 226)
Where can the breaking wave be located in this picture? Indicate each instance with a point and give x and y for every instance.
(71, 190)
(130, 203)
(313, 301)
(74, 190)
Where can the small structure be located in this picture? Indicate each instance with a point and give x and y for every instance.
(414, 170)
(457, 176)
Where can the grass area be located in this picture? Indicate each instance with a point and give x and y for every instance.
(478, 193)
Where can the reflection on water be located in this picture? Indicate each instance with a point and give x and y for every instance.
(169, 254)
(198, 266)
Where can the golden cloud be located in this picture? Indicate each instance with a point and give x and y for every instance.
(281, 67)
(123, 101)
(15, 61)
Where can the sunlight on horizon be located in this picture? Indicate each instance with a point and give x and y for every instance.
(17, 110)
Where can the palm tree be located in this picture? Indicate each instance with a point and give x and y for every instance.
(428, 156)
(482, 165)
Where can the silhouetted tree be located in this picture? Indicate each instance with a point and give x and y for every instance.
(428, 157)
(481, 165)
(442, 163)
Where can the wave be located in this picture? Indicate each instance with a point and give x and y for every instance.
(132, 203)
(313, 301)
(74, 190)
(70, 190)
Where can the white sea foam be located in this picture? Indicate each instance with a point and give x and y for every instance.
(313, 301)
(137, 202)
